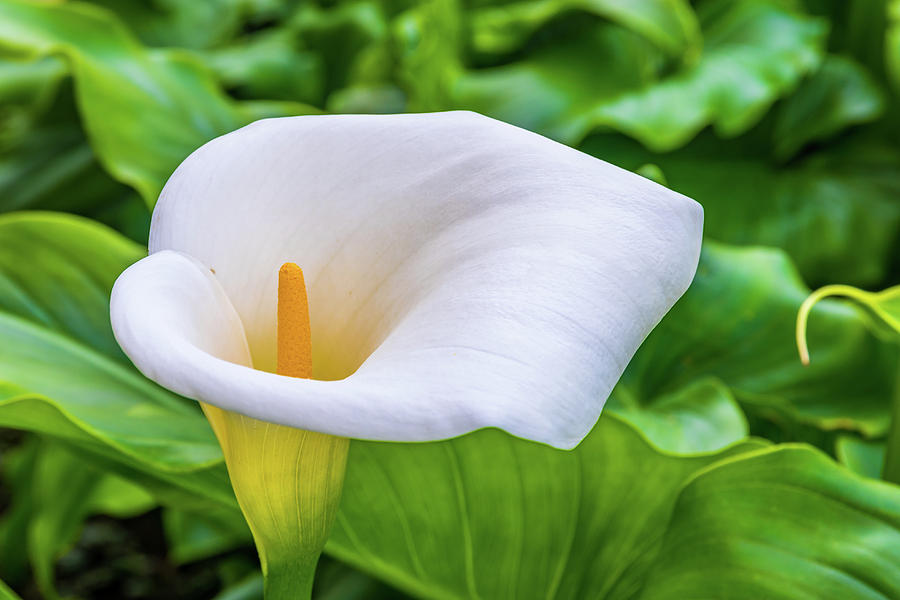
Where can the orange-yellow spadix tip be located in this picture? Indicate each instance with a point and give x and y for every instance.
(293, 332)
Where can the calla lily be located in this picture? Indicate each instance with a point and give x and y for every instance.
(462, 273)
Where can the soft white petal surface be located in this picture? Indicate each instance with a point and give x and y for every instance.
(462, 273)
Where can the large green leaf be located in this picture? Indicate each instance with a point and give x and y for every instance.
(62, 374)
(184, 23)
(270, 64)
(781, 524)
(755, 51)
(841, 93)
(489, 516)
(144, 111)
(736, 323)
(671, 24)
(553, 89)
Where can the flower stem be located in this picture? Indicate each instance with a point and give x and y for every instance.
(286, 580)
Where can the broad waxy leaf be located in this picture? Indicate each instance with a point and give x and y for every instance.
(101, 405)
(736, 323)
(841, 93)
(180, 22)
(502, 27)
(531, 521)
(553, 91)
(178, 100)
(754, 52)
(782, 523)
(46, 163)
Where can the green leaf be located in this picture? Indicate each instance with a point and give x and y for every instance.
(550, 92)
(54, 491)
(428, 39)
(702, 416)
(736, 323)
(27, 87)
(178, 100)
(119, 498)
(520, 520)
(840, 94)
(250, 588)
(18, 468)
(6, 593)
(180, 22)
(194, 536)
(782, 523)
(671, 24)
(865, 457)
(63, 491)
(755, 52)
(62, 374)
(269, 64)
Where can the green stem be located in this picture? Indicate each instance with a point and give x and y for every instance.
(892, 458)
(289, 581)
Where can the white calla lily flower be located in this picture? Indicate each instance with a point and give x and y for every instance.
(462, 273)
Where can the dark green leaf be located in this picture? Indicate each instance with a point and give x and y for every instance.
(782, 524)
(840, 94)
(737, 323)
(63, 375)
(671, 25)
(754, 53)
(178, 100)
(197, 535)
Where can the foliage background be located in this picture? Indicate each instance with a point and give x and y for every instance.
(721, 468)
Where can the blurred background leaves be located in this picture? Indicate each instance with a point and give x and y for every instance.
(779, 116)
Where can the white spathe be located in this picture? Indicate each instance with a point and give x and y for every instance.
(462, 273)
